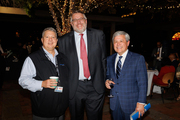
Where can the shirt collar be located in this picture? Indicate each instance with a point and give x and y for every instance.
(56, 53)
(124, 54)
(77, 34)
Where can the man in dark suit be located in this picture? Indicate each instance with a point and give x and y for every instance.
(87, 68)
(128, 70)
(158, 54)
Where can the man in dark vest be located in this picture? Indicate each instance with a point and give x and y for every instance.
(49, 97)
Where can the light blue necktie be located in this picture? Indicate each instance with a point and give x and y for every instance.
(118, 68)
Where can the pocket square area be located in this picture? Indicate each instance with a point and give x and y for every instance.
(61, 64)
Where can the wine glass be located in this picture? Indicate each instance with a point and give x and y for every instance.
(111, 85)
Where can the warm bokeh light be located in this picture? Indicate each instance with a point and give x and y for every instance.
(176, 36)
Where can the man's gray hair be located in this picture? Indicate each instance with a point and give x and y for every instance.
(77, 11)
(50, 29)
(117, 33)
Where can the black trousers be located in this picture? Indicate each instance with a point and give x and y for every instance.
(2, 74)
(86, 98)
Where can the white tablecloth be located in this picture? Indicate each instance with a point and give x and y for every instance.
(150, 74)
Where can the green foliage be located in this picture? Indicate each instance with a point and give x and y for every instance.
(27, 5)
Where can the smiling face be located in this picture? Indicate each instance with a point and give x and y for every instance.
(79, 23)
(120, 44)
(49, 40)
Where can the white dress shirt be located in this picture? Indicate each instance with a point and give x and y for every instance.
(28, 71)
(77, 41)
(122, 59)
(160, 51)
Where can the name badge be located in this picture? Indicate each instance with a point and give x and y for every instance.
(58, 89)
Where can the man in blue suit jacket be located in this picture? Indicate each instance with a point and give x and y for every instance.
(130, 87)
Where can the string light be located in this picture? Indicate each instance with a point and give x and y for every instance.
(65, 8)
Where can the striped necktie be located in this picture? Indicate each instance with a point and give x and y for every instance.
(118, 68)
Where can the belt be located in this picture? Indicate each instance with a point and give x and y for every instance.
(84, 80)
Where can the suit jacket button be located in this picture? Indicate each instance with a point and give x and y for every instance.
(117, 83)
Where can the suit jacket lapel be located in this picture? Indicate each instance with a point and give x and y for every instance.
(74, 55)
(89, 42)
(113, 64)
(89, 37)
(126, 63)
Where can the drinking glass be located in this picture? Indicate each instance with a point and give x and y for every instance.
(111, 85)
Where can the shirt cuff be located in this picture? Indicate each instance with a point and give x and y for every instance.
(142, 103)
(39, 85)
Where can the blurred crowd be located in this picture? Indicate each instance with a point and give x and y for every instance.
(165, 60)
(12, 58)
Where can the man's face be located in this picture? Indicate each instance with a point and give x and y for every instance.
(120, 44)
(49, 40)
(79, 23)
(159, 44)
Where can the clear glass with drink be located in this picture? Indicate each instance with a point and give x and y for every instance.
(111, 85)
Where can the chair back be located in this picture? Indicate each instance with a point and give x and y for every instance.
(168, 76)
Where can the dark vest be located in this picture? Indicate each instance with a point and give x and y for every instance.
(47, 103)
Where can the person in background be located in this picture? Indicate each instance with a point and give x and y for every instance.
(178, 78)
(29, 45)
(47, 104)
(2, 64)
(175, 63)
(86, 52)
(128, 70)
(23, 53)
(158, 54)
(174, 51)
(167, 67)
(35, 46)
(173, 60)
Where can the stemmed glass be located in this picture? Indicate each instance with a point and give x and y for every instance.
(111, 85)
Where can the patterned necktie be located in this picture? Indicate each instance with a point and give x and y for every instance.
(118, 68)
(83, 56)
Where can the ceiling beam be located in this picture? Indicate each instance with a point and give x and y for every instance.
(12, 10)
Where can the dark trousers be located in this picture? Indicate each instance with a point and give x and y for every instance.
(118, 114)
(1, 78)
(42, 118)
(86, 97)
(158, 65)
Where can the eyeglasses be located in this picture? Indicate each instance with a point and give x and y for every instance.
(80, 19)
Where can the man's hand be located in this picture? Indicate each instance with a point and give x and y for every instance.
(140, 109)
(49, 83)
(107, 83)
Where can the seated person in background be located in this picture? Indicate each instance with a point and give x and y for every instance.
(178, 78)
(175, 63)
(173, 60)
(174, 51)
(167, 67)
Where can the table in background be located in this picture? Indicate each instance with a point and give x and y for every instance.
(150, 74)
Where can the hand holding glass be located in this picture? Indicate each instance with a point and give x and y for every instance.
(111, 85)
